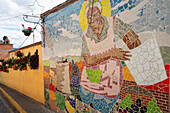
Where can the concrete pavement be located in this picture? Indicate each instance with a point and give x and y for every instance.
(26, 103)
(4, 106)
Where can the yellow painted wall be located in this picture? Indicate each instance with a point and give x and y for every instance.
(29, 82)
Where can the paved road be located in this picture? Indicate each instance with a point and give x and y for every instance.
(27, 103)
(4, 107)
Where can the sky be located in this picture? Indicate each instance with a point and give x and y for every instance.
(11, 18)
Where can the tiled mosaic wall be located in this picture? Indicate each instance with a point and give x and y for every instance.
(108, 56)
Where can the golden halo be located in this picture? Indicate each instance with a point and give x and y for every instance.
(105, 12)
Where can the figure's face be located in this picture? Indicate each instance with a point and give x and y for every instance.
(93, 16)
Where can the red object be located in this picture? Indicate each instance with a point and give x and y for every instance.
(4, 70)
(52, 87)
(29, 28)
(167, 68)
(19, 60)
(70, 66)
(0, 69)
(160, 86)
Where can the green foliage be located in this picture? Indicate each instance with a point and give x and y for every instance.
(60, 101)
(21, 67)
(19, 54)
(152, 107)
(16, 67)
(18, 63)
(1, 60)
(94, 75)
(126, 102)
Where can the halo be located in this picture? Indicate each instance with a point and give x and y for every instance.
(106, 11)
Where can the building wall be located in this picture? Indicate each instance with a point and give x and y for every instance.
(4, 49)
(140, 27)
(29, 82)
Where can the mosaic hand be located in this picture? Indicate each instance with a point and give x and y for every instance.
(118, 53)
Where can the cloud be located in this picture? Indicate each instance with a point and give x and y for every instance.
(48, 53)
(17, 37)
(67, 34)
(12, 17)
(70, 52)
(75, 17)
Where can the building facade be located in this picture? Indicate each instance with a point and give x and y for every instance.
(5, 47)
(107, 56)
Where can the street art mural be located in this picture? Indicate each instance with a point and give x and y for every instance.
(108, 56)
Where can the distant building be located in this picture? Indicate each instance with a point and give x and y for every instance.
(5, 46)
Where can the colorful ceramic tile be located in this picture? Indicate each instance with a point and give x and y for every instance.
(146, 64)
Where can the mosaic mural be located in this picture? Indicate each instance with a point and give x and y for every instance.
(108, 56)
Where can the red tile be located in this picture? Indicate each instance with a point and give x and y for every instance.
(161, 86)
(166, 89)
(167, 68)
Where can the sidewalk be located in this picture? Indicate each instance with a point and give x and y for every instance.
(4, 107)
(26, 103)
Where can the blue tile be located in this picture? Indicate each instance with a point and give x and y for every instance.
(119, 1)
(141, 13)
(114, 12)
(120, 8)
(162, 18)
(134, 1)
(115, 1)
(126, 5)
(157, 11)
(131, 7)
(130, 2)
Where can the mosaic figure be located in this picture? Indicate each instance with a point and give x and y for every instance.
(102, 74)
(75, 75)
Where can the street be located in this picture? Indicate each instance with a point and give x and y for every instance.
(4, 107)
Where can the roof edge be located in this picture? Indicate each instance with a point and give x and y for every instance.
(57, 8)
(26, 46)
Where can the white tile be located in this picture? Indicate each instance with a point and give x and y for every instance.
(156, 50)
(161, 67)
(146, 66)
(150, 57)
(145, 76)
(151, 64)
(155, 65)
(160, 61)
(139, 69)
(163, 76)
(151, 52)
(149, 48)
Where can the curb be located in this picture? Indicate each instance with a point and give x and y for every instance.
(13, 102)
